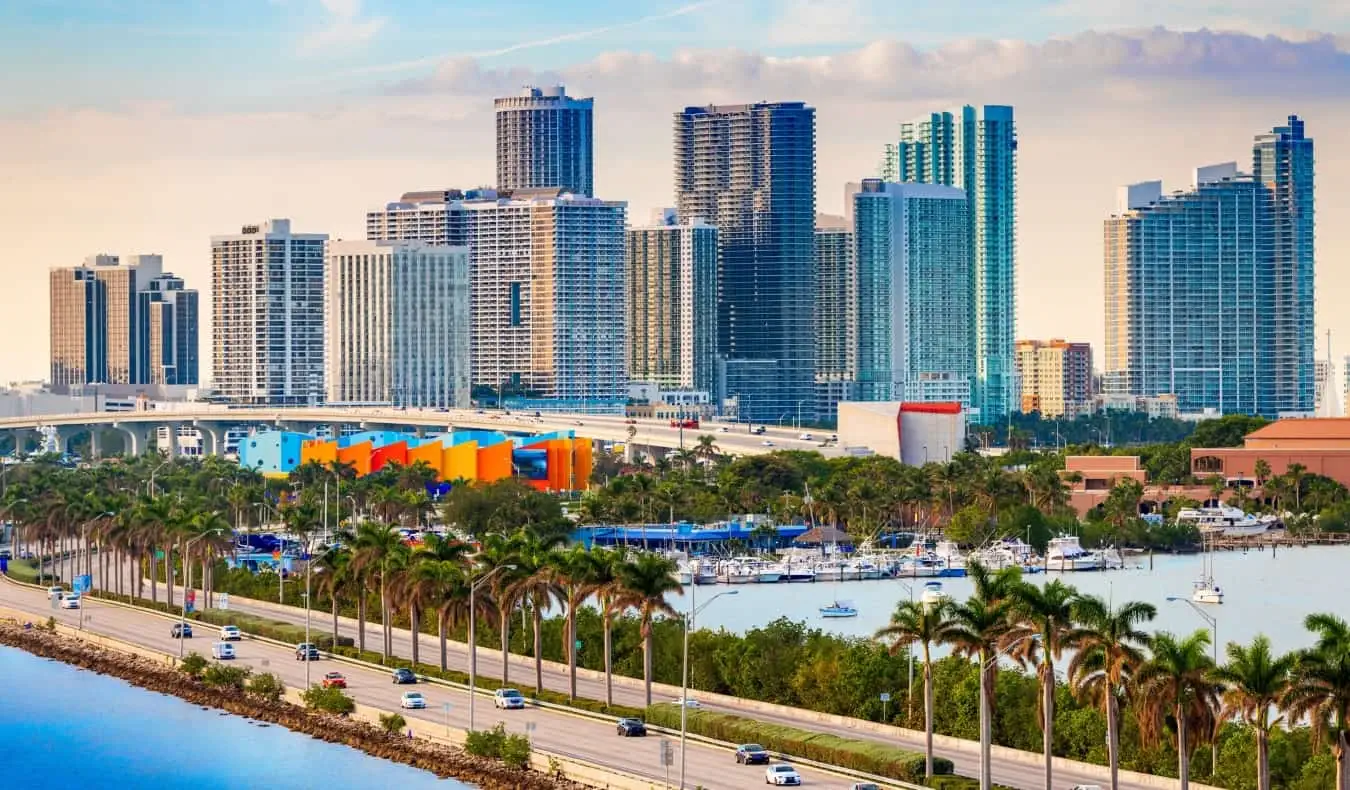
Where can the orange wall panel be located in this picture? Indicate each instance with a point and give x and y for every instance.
(358, 455)
(396, 453)
(494, 463)
(323, 451)
(432, 453)
(460, 462)
(582, 463)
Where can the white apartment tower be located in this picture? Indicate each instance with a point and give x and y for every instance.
(267, 312)
(398, 324)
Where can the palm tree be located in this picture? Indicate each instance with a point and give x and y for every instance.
(455, 580)
(978, 627)
(498, 557)
(1255, 681)
(337, 578)
(419, 587)
(1043, 621)
(1110, 649)
(607, 584)
(927, 625)
(379, 550)
(1177, 680)
(644, 584)
(535, 586)
(574, 573)
(1320, 688)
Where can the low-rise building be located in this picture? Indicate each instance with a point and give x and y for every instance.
(1320, 445)
(912, 433)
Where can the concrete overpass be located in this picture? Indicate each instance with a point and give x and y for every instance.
(139, 429)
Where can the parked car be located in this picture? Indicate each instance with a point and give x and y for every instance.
(629, 728)
(70, 601)
(334, 680)
(508, 699)
(222, 651)
(181, 631)
(404, 675)
(306, 652)
(752, 754)
(230, 633)
(782, 774)
(412, 700)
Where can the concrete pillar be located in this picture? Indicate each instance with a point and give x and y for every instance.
(137, 441)
(172, 450)
(95, 444)
(213, 437)
(65, 437)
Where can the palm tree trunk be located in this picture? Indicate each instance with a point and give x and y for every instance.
(361, 621)
(1184, 751)
(1342, 752)
(440, 635)
(609, 666)
(572, 649)
(647, 662)
(154, 577)
(927, 712)
(538, 651)
(414, 629)
(1048, 722)
(1112, 740)
(986, 732)
(506, 643)
(384, 619)
(333, 602)
(1262, 759)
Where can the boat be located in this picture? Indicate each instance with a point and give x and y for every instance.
(685, 573)
(705, 573)
(953, 560)
(917, 567)
(735, 572)
(1224, 521)
(829, 571)
(1205, 590)
(839, 609)
(932, 594)
(1065, 553)
(799, 572)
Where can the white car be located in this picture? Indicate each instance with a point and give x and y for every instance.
(222, 651)
(508, 699)
(54, 592)
(806, 437)
(782, 774)
(230, 633)
(767, 443)
(688, 702)
(70, 601)
(412, 700)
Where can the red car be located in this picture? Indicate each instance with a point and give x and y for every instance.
(684, 423)
(334, 680)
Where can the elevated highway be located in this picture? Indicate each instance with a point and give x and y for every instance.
(140, 427)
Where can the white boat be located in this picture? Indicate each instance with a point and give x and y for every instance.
(950, 554)
(1065, 553)
(862, 569)
(932, 594)
(918, 567)
(1224, 521)
(705, 573)
(735, 572)
(839, 609)
(685, 572)
(829, 571)
(1206, 591)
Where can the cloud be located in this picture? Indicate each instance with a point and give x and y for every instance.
(345, 27)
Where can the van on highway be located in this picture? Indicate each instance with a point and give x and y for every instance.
(222, 651)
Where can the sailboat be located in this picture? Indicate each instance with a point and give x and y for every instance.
(1205, 590)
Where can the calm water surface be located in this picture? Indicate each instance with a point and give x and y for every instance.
(64, 727)
(1263, 594)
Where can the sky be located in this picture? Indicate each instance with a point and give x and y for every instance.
(140, 126)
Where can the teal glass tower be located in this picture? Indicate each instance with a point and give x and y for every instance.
(975, 149)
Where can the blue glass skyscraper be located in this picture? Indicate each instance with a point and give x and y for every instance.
(750, 170)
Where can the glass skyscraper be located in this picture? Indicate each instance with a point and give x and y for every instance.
(1209, 291)
(749, 170)
(975, 149)
(914, 291)
(545, 138)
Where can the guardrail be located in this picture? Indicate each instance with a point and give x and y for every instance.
(847, 773)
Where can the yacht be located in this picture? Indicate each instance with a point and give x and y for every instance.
(918, 567)
(1065, 553)
(799, 571)
(685, 572)
(932, 594)
(839, 609)
(1206, 591)
(830, 571)
(951, 555)
(735, 572)
(1223, 521)
(705, 573)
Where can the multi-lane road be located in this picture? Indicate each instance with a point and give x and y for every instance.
(1019, 774)
(558, 732)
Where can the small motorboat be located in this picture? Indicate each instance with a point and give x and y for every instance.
(932, 594)
(839, 609)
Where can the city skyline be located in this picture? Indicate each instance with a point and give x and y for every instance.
(1065, 184)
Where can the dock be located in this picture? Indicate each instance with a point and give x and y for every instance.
(1280, 539)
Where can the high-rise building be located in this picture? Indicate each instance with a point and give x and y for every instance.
(671, 293)
(1324, 375)
(103, 324)
(914, 291)
(1209, 290)
(975, 149)
(1056, 377)
(267, 309)
(398, 324)
(547, 274)
(545, 139)
(836, 324)
(1282, 162)
(170, 331)
(749, 170)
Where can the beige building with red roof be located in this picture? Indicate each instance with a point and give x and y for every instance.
(1321, 445)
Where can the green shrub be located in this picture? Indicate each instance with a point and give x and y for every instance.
(957, 783)
(328, 700)
(867, 756)
(193, 665)
(392, 723)
(486, 743)
(267, 686)
(227, 676)
(515, 751)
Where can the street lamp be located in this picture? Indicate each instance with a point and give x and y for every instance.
(909, 713)
(150, 487)
(684, 683)
(473, 644)
(1213, 623)
(986, 730)
(182, 619)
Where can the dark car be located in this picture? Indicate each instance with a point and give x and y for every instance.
(404, 675)
(752, 754)
(629, 728)
(181, 631)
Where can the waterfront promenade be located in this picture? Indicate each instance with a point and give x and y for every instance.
(1011, 768)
